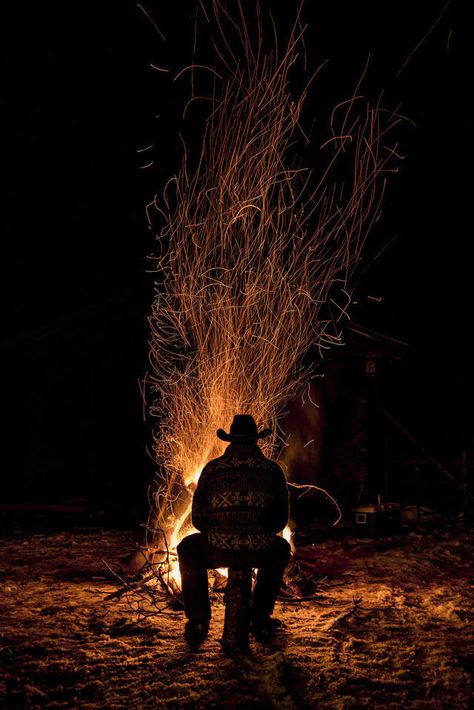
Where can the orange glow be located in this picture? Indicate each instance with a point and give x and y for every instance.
(174, 572)
(255, 254)
(181, 528)
(287, 534)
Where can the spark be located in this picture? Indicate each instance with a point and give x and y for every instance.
(252, 248)
(152, 21)
(448, 43)
(160, 69)
(425, 36)
(309, 487)
(147, 147)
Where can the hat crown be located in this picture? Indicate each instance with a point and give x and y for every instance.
(243, 428)
(243, 425)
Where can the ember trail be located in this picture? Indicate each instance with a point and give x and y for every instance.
(255, 253)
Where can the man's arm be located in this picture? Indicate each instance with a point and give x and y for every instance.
(280, 512)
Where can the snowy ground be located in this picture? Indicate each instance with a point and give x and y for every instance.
(408, 642)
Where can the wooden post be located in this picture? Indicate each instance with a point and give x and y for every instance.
(237, 610)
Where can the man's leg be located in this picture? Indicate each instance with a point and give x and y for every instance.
(194, 585)
(269, 578)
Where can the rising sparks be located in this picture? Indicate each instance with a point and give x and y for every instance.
(255, 256)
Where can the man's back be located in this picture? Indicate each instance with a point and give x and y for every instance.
(241, 500)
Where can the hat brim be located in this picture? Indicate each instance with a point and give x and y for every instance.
(224, 436)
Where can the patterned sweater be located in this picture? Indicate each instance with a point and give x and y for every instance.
(241, 500)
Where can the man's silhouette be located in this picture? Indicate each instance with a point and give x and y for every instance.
(240, 504)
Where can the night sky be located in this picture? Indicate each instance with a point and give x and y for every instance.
(79, 98)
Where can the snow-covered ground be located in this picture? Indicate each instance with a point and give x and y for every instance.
(407, 641)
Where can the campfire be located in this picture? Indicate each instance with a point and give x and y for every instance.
(255, 255)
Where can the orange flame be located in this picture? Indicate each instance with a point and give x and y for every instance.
(252, 249)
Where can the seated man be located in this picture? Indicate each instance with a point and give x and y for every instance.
(240, 504)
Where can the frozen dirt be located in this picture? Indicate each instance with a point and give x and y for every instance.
(390, 626)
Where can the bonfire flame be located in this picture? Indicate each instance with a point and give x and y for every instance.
(252, 250)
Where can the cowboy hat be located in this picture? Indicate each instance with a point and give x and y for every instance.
(243, 428)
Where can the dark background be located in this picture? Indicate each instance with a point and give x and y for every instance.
(78, 100)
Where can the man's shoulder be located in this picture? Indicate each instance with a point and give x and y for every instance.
(229, 461)
(256, 462)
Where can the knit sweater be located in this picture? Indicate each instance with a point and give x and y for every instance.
(241, 500)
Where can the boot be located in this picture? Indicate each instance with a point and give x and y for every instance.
(196, 631)
(264, 626)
